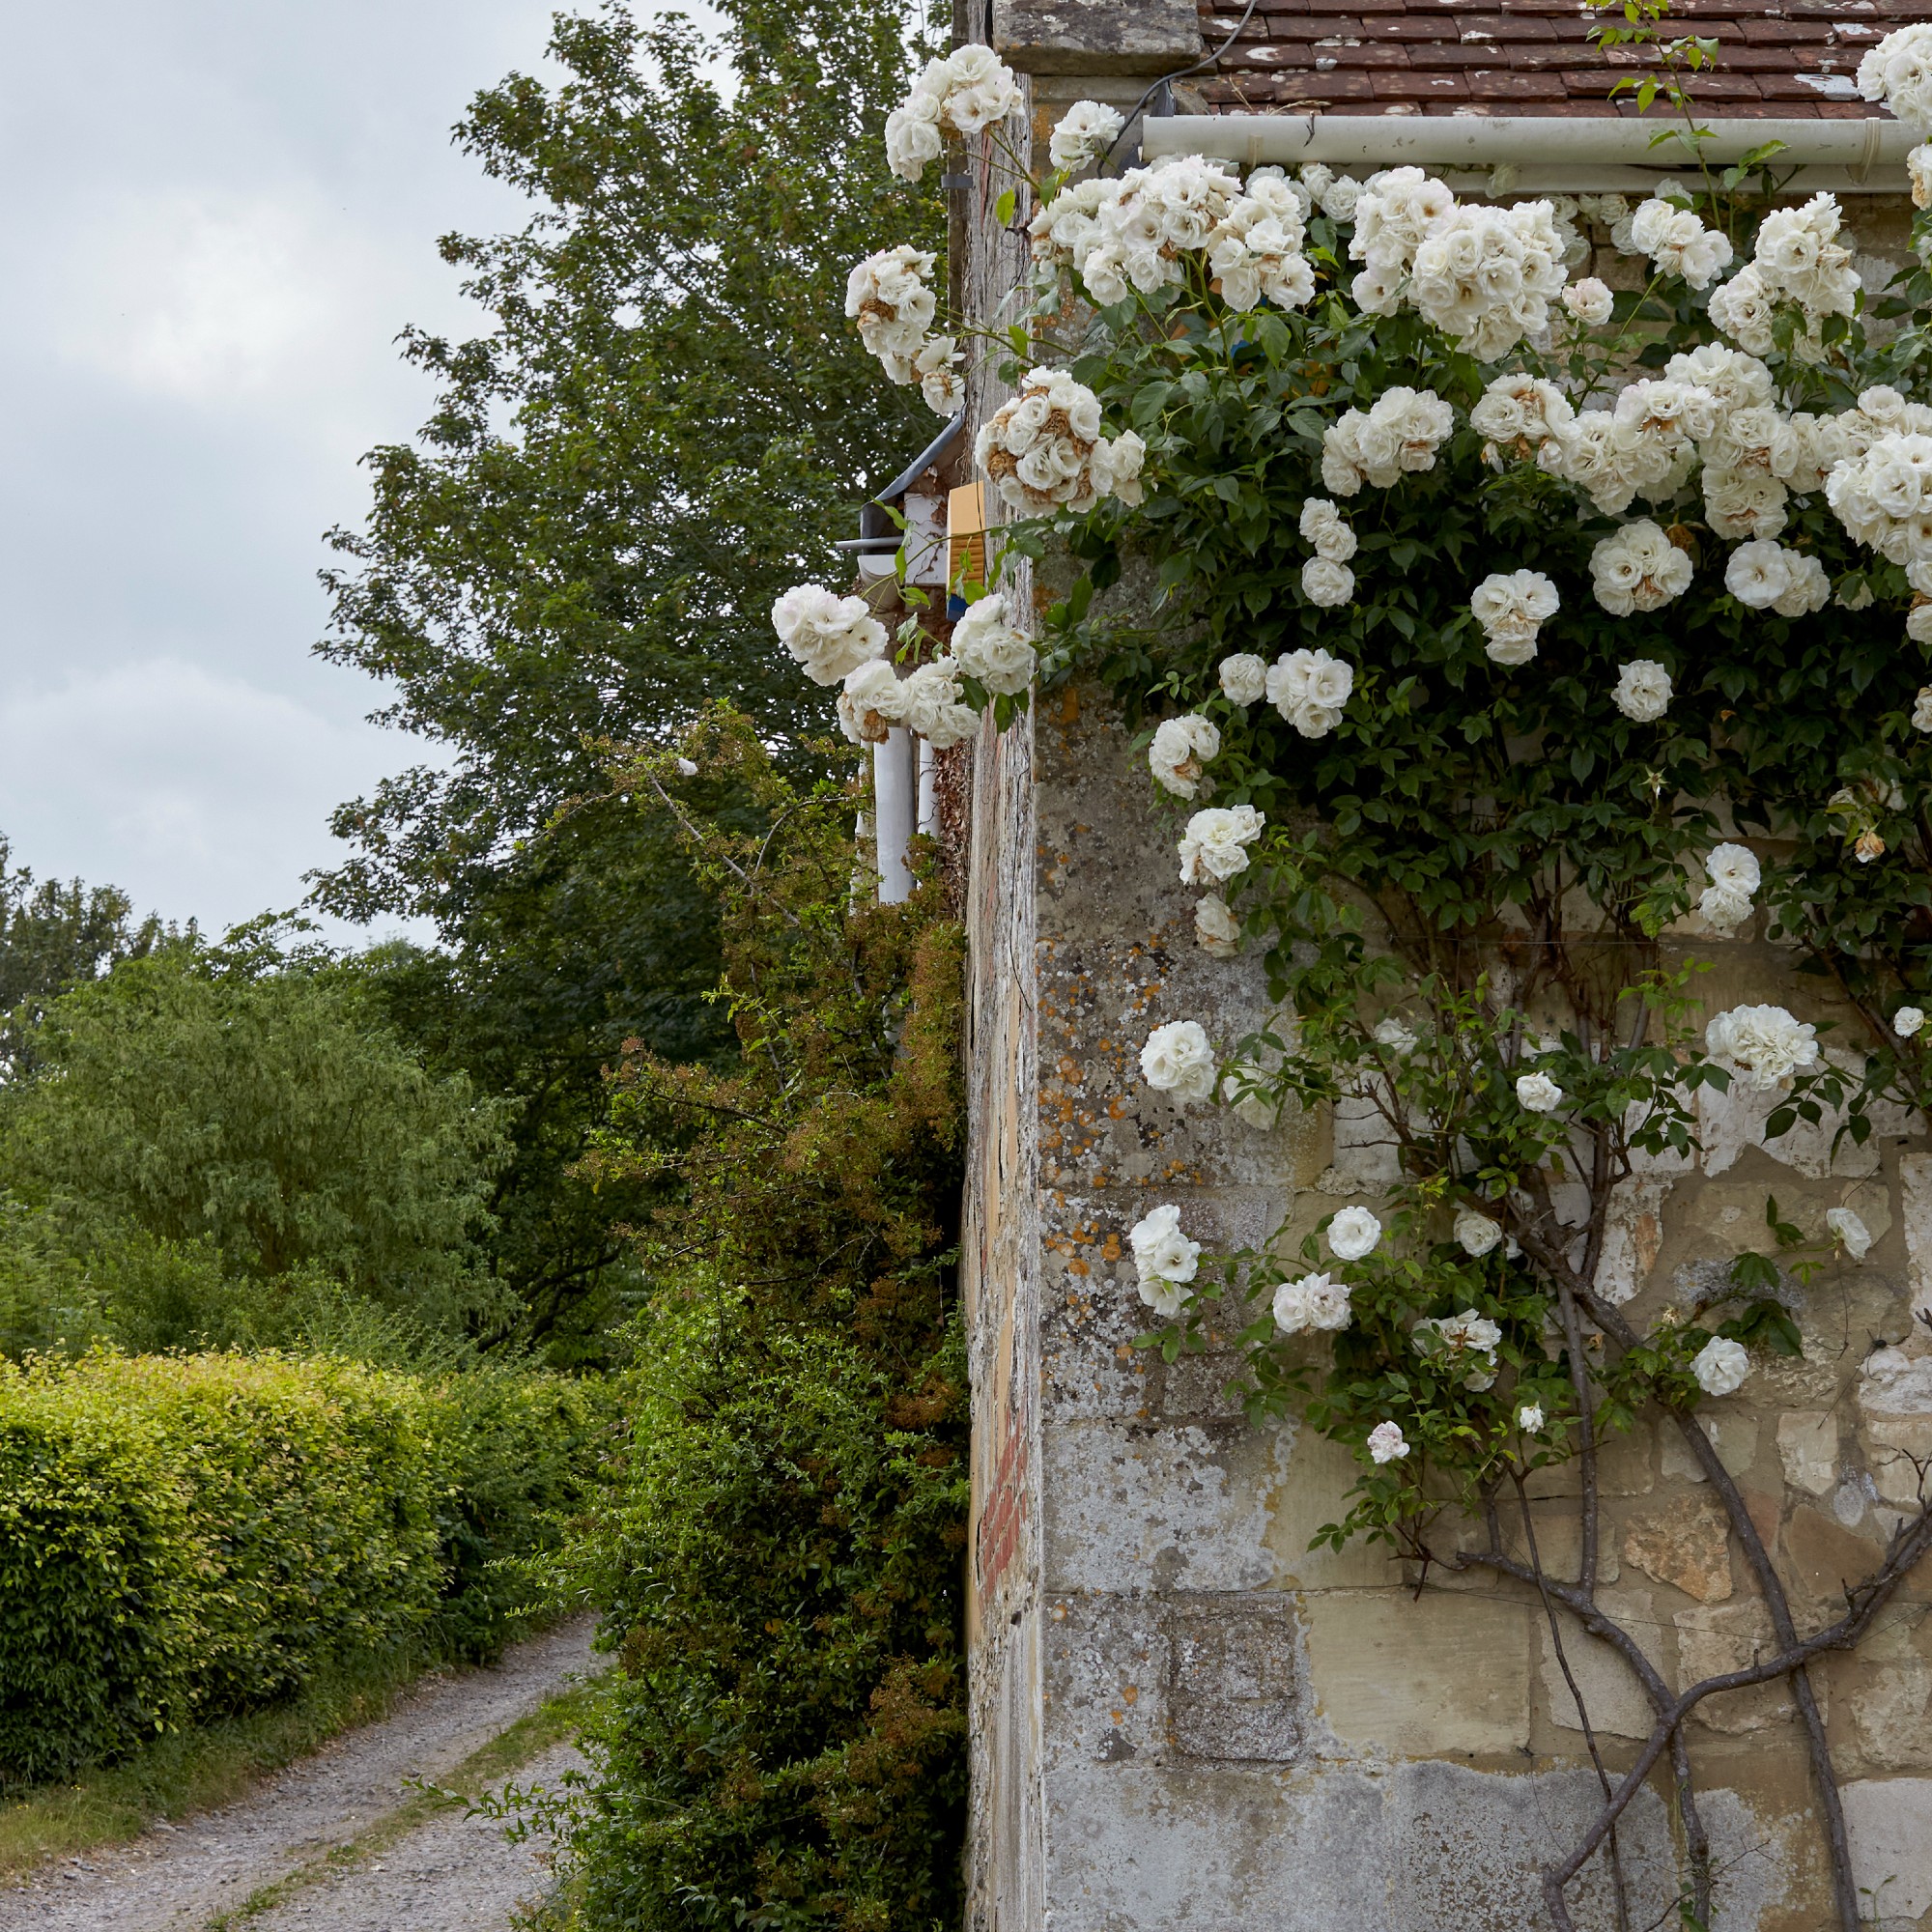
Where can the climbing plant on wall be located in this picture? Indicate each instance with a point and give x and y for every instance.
(1512, 635)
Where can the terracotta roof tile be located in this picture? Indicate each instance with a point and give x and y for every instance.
(1788, 57)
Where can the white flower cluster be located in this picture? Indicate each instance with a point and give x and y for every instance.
(1764, 1042)
(1254, 249)
(886, 294)
(829, 636)
(1337, 196)
(1084, 133)
(1678, 243)
(1735, 876)
(961, 93)
(1797, 258)
(1316, 1302)
(1310, 690)
(1465, 1344)
(1638, 569)
(1326, 580)
(927, 701)
(1176, 1059)
(1164, 1259)
(1511, 607)
(1764, 576)
(1898, 72)
(872, 703)
(1180, 747)
(1045, 450)
(1883, 496)
(1721, 1366)
(1522, 412)
(1216, 844)
(1216, 929)
(1398, 436)
(1486, 276)
(988, 648)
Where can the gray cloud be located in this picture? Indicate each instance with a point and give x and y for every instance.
(217, 217)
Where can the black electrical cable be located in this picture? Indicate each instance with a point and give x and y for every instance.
(1167, 79)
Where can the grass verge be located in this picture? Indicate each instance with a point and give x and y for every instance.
(197, 1769)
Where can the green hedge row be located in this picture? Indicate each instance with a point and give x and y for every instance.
(187, 1536)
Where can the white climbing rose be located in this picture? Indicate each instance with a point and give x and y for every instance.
(1316, 1302)
(1326, 586)
(1734, 875)
(1538, 1093)
(1850, 1230)
(1353, 1233)
(1324, 532)
(1177, 1060)
(1589, 302)
(1764, 1042)
(1309, 689)
(1922, 709)
(1642, 690)
(1216, 929)
(1388, 1444)
(1180, 747)
(1529, 1418)
(1164, 1258)
(828, 635)
(987, 647)
(1721, 1365)
(1396, 1035)
(1638, 569)
(1476, 1234)
(1244, 679)
(934, 707)
(1907, 1021)
(872, 703)
(1216, 844)
(1084, 132)
(1511, 608)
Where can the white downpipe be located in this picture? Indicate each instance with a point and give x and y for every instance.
(929, 791)
(895, 809)
(1542, 151)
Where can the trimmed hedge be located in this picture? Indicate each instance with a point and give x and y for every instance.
(187, 1536)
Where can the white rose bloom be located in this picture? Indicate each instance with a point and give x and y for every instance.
(1180, 747)
(1679, 243)
(987, 647)
(1340, 199)
(934, 708)
(1316, 178)
(1638, 569)
(1045, 450)
(1666, 412)
(1810, 586)
(1538, 1093)
(886, 294)
(1919, 623)
(1164, 1258)
(1317, 1302)
(1476, 1234)
(1922, 709)
(1216, 929)
(1398, 437)
(1244, 678)
(1522, 410)
(1851, 1232)
(1735, 867)
(1745, 503)
(1084, 132)
(1324, 532)
(1529, 1418)
(1309, 689)
(1919, 169)
(1326, 584)
(1758, 574)
(1510, 608)
(940, 382)
(1723, 909)
(1589, 300)
(1738, 381)
(1744, 309)
(1395, 1034)
(1642, 691)
(1720, 1365)
(1763, 1042)
(1216, 844)
(1898, 72)
(1353, 1233)
(1468, 1342)
(1388, 1444)
(914, 136)
(872, 703)
(1177, 1060)
(1907, 1021)
(828, 635)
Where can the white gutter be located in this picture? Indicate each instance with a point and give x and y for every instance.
(1537, 153)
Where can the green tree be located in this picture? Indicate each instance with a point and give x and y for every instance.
(261, 1123)
(667, 423)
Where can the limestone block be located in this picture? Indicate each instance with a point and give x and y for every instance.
(1825, 1558)
(1891, 1711)
(1894, 1399)
(1415, 1676)
(1714, 1639)
(1315, 1475)
(1808, 1445)
(1730, 1124)
(1688, 1546)
(1127, 1509)
(1098, 36)
(1633, 1234)
(1366, 1160)
(1915, 1192)
(1733, 1435)
(1106, 1665)
(1889, 1823)
(1233, 1693)
(1614, 1699)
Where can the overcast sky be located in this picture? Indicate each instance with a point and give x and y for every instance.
(215, 217)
